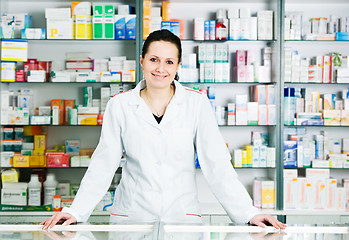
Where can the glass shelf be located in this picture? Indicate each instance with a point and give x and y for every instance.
(246, 125)
(302, 83)
(69, 82)
(302, 126)
(319, 168)
(228, 40)
(223, 83)
(72, 40)
(312, 41)
(47, 125)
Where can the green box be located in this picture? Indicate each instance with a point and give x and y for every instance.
(97, 23)
(108, 27)
(98, 9)
(109, 10)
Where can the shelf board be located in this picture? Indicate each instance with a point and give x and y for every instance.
(302, 126)
(73, 40)
(312, 41)
(47, 125)
(69, 83)
(319, 168)
(224, 83)
(301, 83)
(228, 40)
(246, 125)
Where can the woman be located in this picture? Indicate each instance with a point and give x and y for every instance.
(160, 124)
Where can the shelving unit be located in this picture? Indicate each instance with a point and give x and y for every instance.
(235, 135)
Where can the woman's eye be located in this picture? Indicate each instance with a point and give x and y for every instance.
(169, 62)
(153, 59)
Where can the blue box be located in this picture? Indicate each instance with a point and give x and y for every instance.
(290, 154)
(212, 30)
(166, 25)
(175, 28)
(207, 29)
(342, 36)
(130, 23)
(120, 27)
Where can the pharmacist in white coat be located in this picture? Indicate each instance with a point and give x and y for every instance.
(160, 125)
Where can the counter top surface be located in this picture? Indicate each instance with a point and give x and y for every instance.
(158, 231)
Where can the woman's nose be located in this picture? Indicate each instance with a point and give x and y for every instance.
(160, 67)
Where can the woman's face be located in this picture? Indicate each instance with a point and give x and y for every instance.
(160, 64)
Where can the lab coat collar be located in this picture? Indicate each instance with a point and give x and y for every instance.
(178, 97)
(144, 112)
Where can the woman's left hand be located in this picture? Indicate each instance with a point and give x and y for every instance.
(262, 219)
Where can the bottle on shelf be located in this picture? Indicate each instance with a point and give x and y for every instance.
(221, 28)
(50, 188)
(34, 191)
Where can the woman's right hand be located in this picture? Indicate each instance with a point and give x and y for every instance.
(58, 218)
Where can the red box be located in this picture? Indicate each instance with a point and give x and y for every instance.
(20, 76)
(55, 159)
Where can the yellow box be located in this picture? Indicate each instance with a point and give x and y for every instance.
(87, 119)
(249, 155)
(20, 161)
(40, 142)
(244, 158)
(83, 27)
(37, 161)
(332, 117)
(268, 194)
(345, 118)
(9, 176)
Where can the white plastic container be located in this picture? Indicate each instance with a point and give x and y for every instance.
(34, 191)
(50, 188)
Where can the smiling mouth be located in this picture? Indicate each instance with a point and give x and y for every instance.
(159, 76)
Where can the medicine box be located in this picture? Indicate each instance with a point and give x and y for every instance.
(14, 193)
(59, 28)
(130, 23)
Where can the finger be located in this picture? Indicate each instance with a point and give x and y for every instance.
(260, 224)
(274, 222)
(55, 218)
(47, 222)
(69, 221)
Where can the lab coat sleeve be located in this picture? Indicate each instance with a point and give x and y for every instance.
(214, 158)
(104, 162)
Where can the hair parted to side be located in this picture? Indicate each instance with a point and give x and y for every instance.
(163, 35)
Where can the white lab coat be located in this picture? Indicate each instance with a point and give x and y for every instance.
(158, 178)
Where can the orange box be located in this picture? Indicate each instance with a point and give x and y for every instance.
(34, 130)
(40, 142)
(166, 10)
(59, 104)
(146, 27)
(147, 9)
(68, 104)
(37, 161)
(181, 27)
(20, 161)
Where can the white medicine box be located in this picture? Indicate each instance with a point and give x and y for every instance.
(59, 28)
(14, 193)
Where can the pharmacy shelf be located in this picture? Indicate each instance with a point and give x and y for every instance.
(229, 83)
(49, 125)
(84, 83)
(326, 84)
(228, 40)
(320, 41)
(318, 168)
(314, 126)
(246, 125)
(70, 40)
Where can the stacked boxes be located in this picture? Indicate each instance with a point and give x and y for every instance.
(316, 191)
(103, 21)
